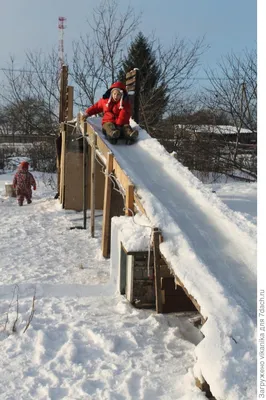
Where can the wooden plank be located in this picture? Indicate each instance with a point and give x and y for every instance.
(130, 88)
(139, 204)
(121, 175)
(70, 101)
(62, 169)
(58, 156)
(131, 73)
(101, 158)
(194, 301)
(136, 105)
(157, 275)
(90, 130)
(131, 81)
(178, 282)
(74, 181)
(85, 175)
(103, 148)
(100, 144)
(92, 203)
(130, 200)
(107, 207)
(63, 89)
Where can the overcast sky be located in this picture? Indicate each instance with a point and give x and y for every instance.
(32, 24)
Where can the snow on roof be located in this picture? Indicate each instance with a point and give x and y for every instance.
(216, 129)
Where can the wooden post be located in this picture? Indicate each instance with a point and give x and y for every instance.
(62, 107)
(133, 85)
(107, 207)
(157, 275)
(58, 143)
(63, 91)
(137, 97)
(130, 200)
(92, 202)
(85, 176)
(62, 168)
(69, 103)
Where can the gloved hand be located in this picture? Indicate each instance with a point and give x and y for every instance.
(34, 187)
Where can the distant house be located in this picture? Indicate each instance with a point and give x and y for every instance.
(225, 132)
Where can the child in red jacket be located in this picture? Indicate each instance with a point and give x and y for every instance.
(116, 111)
(22, 182)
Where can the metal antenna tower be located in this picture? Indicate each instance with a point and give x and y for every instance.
(61, 26)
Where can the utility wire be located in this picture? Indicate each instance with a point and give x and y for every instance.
(51, 73)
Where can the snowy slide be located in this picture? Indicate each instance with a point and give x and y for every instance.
(211, 249)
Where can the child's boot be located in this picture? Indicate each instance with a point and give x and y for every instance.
(130, 134)
(111, 131)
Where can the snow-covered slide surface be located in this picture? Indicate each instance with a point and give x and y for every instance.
(212, 250)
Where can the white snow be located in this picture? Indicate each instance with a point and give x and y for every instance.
(212, 250)
(85, 341)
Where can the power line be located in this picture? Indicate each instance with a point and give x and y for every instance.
(51, 73)
(22, 70)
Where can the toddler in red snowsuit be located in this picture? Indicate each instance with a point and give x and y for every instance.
(22, 182)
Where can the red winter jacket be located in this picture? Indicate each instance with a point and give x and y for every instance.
(112, 111)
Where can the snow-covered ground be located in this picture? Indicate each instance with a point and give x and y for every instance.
(240, 197)
(84, 341)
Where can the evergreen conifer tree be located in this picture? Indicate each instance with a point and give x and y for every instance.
(153, 93)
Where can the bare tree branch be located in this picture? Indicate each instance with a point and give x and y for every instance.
(98, 56)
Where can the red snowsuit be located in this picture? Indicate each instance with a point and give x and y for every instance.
(22, 182)
(117, 113)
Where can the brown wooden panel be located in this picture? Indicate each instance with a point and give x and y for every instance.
(131, 73)
(106, 232)
(69, 101)
(63, 90)
(73, 196)
(131, 81)
(178, 282)
(168, 284)
(177, 304)
(73, 181)
(100, 144)
(62, 168)
(139, 206)
(131, 88)
(130, 201)
(121, 175)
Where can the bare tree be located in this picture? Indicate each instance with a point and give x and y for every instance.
(97, 57)
(178, 64)
(234, 89)
(86, 71)
(234, 92)
(43, 82)
(30, 95)
(4, 122)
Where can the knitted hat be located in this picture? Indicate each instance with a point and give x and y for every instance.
(24, 165)
(121, 99)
